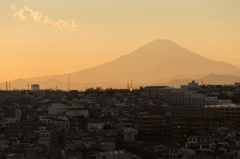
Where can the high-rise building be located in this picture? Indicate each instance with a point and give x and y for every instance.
(35, 87)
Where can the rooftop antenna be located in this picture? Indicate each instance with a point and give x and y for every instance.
(6, 86)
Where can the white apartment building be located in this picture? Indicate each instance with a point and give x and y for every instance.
(129, 134)
(99, 122)
(57, 108)
(179, 97)
(77, 112)
(192, 85)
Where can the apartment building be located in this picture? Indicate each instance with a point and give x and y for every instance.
(27, 126)
(152, 125)
(77, 112)
(153, 90)
(227, 111)
(191, 86)
(15, 97)
(58, 108)
(200, 126)
(35, 87)
(179, 97)
(61, 125)
(182, 113)
(99, 122)
(129, 134)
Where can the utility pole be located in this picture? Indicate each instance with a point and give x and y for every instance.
(28, 86)
(9, 87)
(6, 86)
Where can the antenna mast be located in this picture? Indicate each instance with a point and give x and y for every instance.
(68, 83)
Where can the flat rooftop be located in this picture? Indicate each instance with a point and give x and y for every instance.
(223, 106)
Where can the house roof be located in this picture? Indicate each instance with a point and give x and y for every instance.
(204, 142)
(98, 120)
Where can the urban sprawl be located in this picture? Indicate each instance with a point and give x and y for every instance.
(152, 122)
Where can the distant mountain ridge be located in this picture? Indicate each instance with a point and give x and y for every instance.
(176, 83)
(209, 79)
(158, 59)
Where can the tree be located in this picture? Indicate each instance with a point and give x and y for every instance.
(110, 91)
(89, 90)
(98, 90)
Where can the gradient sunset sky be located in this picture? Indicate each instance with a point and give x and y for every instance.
(49, 37)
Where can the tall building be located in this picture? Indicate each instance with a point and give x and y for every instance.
(35, 87)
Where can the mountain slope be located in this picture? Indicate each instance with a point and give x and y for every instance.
(158, 59)
(209, 79)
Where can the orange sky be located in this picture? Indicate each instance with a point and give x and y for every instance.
(55, 37)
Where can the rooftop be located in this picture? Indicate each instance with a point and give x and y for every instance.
(155, 86)
(223, 106)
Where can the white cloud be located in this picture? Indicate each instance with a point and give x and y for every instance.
(38, 17)
(35, 15)
(20, 14)
(13, 7)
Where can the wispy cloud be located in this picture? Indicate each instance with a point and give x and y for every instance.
(13, 7)
(39, 17)
(35, 15)
(237, 55)
(19, 14)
